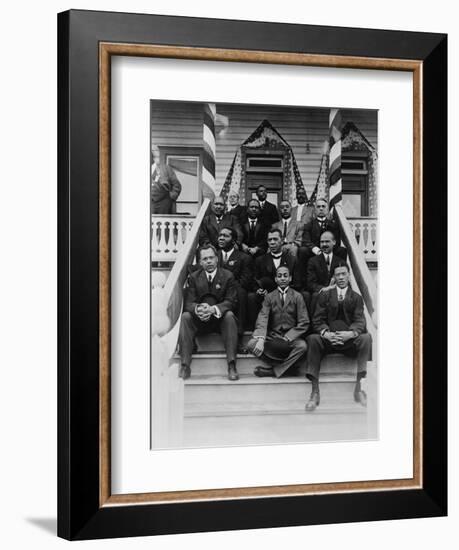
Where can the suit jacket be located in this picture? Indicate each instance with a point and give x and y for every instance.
(327, 310)
(313, 231)
(306, 214)
(165, 191)
(290, 320)
(294, 231)
(260, 236)
(269, 214)
(240, 265)
(223, 288)
(239, 212)
(210, 228)
(265, 269)
(318, 275)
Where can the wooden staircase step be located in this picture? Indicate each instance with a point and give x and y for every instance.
(208, 364)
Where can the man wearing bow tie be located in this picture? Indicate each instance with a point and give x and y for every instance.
(241, 267)
(314, 229)
(211, 300)
(283, 317)
(339, 327)
(213, 222)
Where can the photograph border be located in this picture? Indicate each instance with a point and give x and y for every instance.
(86, 508)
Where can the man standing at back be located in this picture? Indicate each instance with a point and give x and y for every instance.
(268, 211)
(213, 222)
(165, 186)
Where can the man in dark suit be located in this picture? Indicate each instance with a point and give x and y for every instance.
(283, 317)
(265, 273)
(213, 222)
(165, 186)
(292, 231)
(210, 302)
(339, 327)
(268, 212)
(321, 268)
(254, 231)
(314, 229)
(236, 209)
(241, 267)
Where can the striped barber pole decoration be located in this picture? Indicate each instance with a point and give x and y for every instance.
(208, 159)
(334, 162)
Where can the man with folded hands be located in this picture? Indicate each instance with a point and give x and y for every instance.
(210, 303)
(281, 324)
(339, 326)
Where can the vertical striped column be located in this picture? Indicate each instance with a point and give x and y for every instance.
(208, 160)
(334, 170)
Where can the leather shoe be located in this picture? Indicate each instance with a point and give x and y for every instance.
(232, 373)
(184, 372)
(360, 396)
(314, 401)
(263, 371)
(242, 349)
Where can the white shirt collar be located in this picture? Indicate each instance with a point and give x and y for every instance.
(283, 291)
(342, 291)
(228, 252)
(212, 274)
(286, 219)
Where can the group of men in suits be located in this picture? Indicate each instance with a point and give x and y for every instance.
(283, 277)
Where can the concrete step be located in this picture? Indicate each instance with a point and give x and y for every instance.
(216, 395)
(213, 343)
(214, 364)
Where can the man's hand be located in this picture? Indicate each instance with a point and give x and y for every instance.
(259, 347)
(204, 312)
(316, 250)
(345, 335)
(262, 292)
(333, 338)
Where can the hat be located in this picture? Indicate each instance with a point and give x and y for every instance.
(277, 349)
(267, 283)
(209, 298)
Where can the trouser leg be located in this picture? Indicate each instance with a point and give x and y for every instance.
(188, 330)
(363, 348)
(228, 329)
(242, 310)
(316, 350)
(297, 353)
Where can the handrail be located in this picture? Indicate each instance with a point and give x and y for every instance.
(358, 263)
(177, 277)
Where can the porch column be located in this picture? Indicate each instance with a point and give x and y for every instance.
(334, 170)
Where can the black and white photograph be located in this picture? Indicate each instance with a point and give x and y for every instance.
(264, 229)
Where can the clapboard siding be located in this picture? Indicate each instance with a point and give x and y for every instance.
(181, 124)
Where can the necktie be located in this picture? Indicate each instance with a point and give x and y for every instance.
(225, 257)
(209, 282)
(340, 297)
(285, 230)
(327, 261)
(252, 231)
(282, 297)
(218, 221)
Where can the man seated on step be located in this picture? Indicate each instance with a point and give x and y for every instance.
(265, 273)
(339, 327)
(292, 230)
(321, 268)
(210, 303)
(281, 325)
(213, 222)
(241, 267)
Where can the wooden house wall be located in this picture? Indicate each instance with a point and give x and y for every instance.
(181, 124)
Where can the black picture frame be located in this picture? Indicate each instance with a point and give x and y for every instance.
(80, 515)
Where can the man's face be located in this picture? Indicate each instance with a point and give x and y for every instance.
(218, 206)
(253, 209)
(155, 154)
(342, 277)
(301, 196)
(225, 239)
(208, 259)
(274, 242)
(283, 277)
(233, 199)
(261, 193)
(321, 208)
(285, 209)
(327, 242)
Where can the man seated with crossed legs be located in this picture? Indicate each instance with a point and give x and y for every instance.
(339, 327)
(281, 323)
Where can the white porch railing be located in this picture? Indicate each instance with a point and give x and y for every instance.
(168, 235)
(365, 233)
